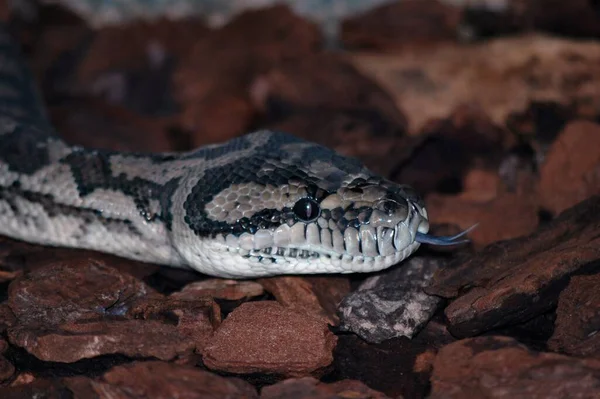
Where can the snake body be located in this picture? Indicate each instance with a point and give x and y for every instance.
(262, 204)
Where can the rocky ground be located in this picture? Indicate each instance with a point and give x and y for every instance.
(492, 114)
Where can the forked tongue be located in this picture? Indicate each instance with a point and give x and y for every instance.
(445, 240)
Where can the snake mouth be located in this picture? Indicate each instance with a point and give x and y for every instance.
(362, 244)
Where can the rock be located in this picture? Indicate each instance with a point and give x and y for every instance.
(232, 290)
(315, 295)
(6, 367)
(72, 341)
(325, 81)
(97, 124)
(450, 148)
(309, 388)
(398, 367)
(570, 172)
(399, 25)
(67, 291)
(166, 380)
(67, 311)
(136, 39)
(392, 303)
(195, 319)
(501, 76)
(513, 281)
(508, 215)
(216, 102)
(75, 387)
(500, 367)
(265, 337)
(578, 318)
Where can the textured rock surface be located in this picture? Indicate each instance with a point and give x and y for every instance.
(216, 105)
(500, 76)
(67, 311)
(571, 170)
(513, 281)
(232, 290)
(314, 295)
(578, 318)
(500, 367)
(402, 24)
(392, 304)
(165, 380)
(311, 388)
(269, 338)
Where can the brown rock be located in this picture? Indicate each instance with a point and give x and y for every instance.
(397, 25)
(75, 387)
(502, 76)
(174, 37)
(232, 290)
(311, 388)
(7, 370)
(78, 340)
(513, 281)
(229, 60)
(500, 367)
(165, 380)
(509, 215)
(314, 295)
(575, 18)
(67, 311)
(578, 318)
(196, 319)
(571, 171)
(67, 291)
(269, 338)
(396, 367)
(326, 81)
(450, 148)
(97, 124)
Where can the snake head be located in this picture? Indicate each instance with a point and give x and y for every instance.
(293, 207)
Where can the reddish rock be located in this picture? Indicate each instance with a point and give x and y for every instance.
(575, 18)
(97, 124)
(196, 319)
(571, 170)
(314, 295)
(509, 215)
(500, 76)
(400, 25)
(578, 318)
(75, 387)
(452, 147)
(311, 388)
(513, 281)
(67, 311)
(326, 81)
(6, 367)
(73, 341)
(175, 37)
(265, 337)
(232, 290)
(213, 82)
(68, 291)
(165, 380)
(500, 367)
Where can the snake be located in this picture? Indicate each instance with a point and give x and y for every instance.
(262, 204)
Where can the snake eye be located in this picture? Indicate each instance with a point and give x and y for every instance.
(307, 209)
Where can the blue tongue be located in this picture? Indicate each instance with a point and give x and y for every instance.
(444, 240)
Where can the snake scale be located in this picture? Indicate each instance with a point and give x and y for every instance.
(262, 204)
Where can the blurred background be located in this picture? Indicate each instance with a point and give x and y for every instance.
(462, 99)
